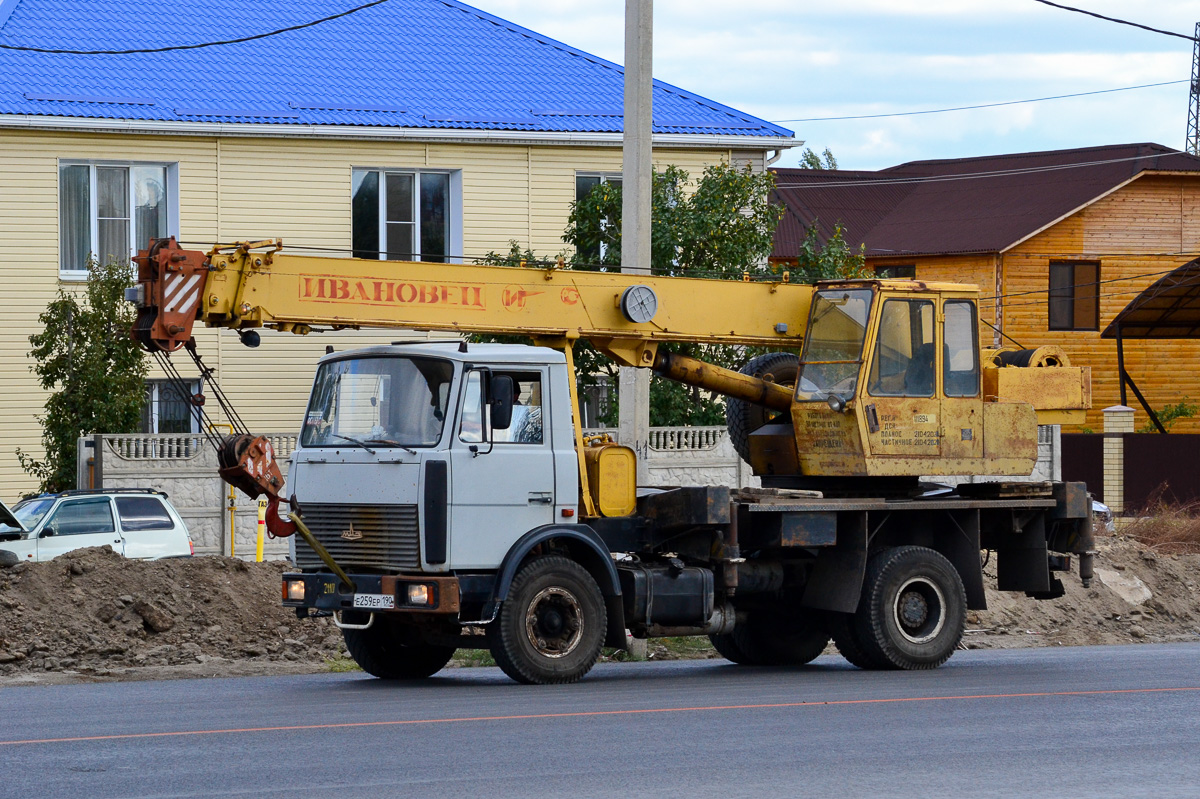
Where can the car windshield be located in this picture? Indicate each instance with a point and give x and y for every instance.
(382, 401)
(29, 512)
(834, 344)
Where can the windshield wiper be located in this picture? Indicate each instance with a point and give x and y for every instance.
(391, 443)
(353, 441)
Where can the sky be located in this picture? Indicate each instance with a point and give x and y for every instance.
(798, 59)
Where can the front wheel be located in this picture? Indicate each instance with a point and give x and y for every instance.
(382, 650)
(913, 608)
(551, 627)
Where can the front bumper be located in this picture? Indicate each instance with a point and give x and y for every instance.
(324, 591)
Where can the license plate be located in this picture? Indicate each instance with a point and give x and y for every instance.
(375, 601)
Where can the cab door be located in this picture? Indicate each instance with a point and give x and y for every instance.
(502, 481)
(79, 523)
(901, 403)
(962, 403)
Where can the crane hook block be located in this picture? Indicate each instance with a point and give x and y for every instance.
(170, 284)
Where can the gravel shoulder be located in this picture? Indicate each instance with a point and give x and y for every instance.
(92, 615)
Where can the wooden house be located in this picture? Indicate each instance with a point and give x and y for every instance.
(1059, 242)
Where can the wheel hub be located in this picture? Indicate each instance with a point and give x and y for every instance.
(919, 610)
(554, 622)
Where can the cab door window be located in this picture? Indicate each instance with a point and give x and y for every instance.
(526, 426)
(960, 366)
(903, 365)
(82, 517)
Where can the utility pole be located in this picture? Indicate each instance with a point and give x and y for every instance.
(633, 384)
(1193, 134)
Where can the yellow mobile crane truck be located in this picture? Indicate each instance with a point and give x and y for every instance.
(446, 496)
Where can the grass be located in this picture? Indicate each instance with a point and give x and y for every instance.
(339, 665)
(1165, 527)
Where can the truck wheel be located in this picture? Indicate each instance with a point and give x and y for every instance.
(792, 641)
(551, 627)
(913, 609)
(726, 646)
(845, 638)
(743, 418)
(380, 651)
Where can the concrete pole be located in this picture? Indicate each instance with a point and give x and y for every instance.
(633, 384)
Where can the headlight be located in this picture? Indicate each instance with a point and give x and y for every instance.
(293, 590)
(419, 594)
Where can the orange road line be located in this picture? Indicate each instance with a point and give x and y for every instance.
(587, 713)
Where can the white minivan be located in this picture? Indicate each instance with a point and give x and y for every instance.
(137, 523)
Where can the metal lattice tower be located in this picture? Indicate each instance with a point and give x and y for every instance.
(1193, 134)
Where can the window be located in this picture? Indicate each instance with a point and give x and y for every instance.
(168, 408)
(896, 271)
(110, 211)
(82, 517)
(526, 424)
(143, 513)
(960, 371)
(903, 365)
(593, 249)
(404, 215)
(1074, 295)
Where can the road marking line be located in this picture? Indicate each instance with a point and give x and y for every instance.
(587, 713)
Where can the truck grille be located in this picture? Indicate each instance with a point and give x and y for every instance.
(390, 536)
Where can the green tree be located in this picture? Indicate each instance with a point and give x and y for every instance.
(95, 372)
(810, 160)
(1170, 414)
(722, 226)
(831, 260)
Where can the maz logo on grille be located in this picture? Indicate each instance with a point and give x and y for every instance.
(351, 534)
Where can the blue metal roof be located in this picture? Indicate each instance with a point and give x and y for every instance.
(402, 64)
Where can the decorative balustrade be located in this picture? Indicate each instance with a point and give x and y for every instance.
(179, 446)
(675, 439)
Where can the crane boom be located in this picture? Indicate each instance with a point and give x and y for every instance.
(256, 284)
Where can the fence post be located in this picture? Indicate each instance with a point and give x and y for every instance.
(1117, 420)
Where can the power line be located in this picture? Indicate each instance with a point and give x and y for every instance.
(170, 48)
(981, 105)
(966, 175)
(1118, 21)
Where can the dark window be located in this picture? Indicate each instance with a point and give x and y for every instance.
(904, 351)
(407, 212)
(960, 370)
(168, 408)
(109, 212)
(904, 271)
(1074, 295)
(592, 249)
(143, 513)
(82, 517)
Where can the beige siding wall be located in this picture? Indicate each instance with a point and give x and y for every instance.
(238, 188)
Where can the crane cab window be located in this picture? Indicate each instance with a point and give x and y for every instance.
(526, 425)
(960, 376)
(904, 353)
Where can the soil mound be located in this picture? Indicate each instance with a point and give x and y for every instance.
(94, 612)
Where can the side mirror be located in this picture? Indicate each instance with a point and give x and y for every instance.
(49, 531)
(501, 401)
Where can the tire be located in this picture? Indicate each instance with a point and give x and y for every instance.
(845, 638)
(379, 650)
(551, 627)
(727, 647)
(743, 418)
(767, 640)
(913, 608)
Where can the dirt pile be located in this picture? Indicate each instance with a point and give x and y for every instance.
(95, 613)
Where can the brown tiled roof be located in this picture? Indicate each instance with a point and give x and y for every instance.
(961, 205)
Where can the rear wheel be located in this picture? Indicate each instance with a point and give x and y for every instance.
(913, 608)
(551, 627)
(845, 638)
(384, 651)
(727, 647)
(766, 639)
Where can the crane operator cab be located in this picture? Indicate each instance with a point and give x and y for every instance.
(892, 383)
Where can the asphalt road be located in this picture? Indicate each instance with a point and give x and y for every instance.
(1071, 722)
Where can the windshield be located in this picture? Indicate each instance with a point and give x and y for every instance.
(381, 401)
(29, 512)
(834, 344)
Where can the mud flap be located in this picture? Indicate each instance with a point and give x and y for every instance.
(836, 580)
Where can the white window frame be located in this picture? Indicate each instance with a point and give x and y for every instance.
(94, 209)
(153, 386)
(454, 208)
(605, 177)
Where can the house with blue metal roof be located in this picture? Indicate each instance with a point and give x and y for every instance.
(422, 129)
